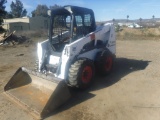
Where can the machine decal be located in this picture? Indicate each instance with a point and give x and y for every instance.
(111, 43)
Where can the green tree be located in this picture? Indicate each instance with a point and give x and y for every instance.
(2, 11)
(41, 10)
(113, 20)
(153, 17)
(17, 9)
(9, 15)
(54, 6)
(127, 17)
(140, 19)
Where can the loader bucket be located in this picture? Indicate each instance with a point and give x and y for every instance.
(37, 93)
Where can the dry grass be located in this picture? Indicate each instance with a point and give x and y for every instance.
(125, 34)
(139, 34)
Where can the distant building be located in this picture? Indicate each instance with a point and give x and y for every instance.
(134, 25)
(25, 23)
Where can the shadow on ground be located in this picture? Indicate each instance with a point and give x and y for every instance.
(122, 67)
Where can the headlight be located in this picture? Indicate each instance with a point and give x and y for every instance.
(39, 51)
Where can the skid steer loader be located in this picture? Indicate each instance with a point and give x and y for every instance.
(76, 48)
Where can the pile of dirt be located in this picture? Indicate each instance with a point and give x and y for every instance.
(12, 39)
(143, 34)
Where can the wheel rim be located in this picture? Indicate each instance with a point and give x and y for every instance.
(87, 74)
(108, 64)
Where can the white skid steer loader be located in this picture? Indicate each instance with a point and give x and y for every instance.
(76, 48)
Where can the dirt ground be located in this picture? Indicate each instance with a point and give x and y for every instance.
(130, 92)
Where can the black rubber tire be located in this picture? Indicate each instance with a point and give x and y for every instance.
(81, 74)
(104, 62)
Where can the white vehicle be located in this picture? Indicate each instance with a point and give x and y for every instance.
(134, 25)
(74, 50)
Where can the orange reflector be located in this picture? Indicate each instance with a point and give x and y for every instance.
(92, 36)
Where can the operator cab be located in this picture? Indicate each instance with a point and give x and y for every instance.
(68, 24)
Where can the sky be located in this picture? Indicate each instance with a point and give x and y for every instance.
(104, 9)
